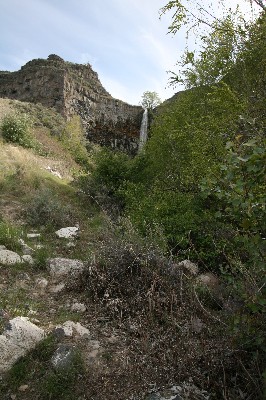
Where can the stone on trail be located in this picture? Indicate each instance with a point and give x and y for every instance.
(8, 257)
(69, 232)
(65, 267)
(19, 337)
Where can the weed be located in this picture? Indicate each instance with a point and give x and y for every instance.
(16, 129)
(9, 236)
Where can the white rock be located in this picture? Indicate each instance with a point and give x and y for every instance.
(57, 288)
(69, 232)
(20, 337)
(25, 248)
(79, 307)
(41, 282)
(27, 258)
(33, 235)
(209, 280)
(189, 266)
(2, 247)
(71, 328)
(8, 257)
(65, 267)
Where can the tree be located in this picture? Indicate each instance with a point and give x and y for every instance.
(150, 100)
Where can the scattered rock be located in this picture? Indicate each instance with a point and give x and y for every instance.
(57, 288)
(63, 356)
(70, 244)
(209, 280)
(79, 307)
(20, 337)
(69, 232)
(184, 391)
(197, 325)
(39, 246)
(27, 258)
(41, 283)
(65, 267)
(8, 257)
(189, 266)
(25, 248)
(54, 172)
(71, 329)
(33, 235)
(95, 349)
(22, 388)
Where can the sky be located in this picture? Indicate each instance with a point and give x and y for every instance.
(125, 41)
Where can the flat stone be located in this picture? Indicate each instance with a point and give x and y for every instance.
(63, 356)
(41, 283)
(57, 288)
(25, 248)
(71, 329)
(23, 388)
(209, 280)
(69, 232)
(27, 258)
(33, 235)
(20, 337)
(8, 257)
(189, 266)
(79, 307)
(65, 267)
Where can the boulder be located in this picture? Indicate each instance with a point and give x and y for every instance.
(70, 329)
(27, 250)
(79, 307)
(27, 258)
(189, 267)
(8, 257)
(20, 337)
(65, 267)
(67, 233)
(64, 356)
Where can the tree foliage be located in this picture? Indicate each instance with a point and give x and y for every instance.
(150, 100)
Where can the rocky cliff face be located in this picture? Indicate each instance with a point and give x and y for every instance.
(76, 89)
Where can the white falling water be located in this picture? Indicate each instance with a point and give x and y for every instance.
(143, 130)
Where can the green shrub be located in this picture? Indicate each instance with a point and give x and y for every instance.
(45, 208)
(15, 128)
(9, 236)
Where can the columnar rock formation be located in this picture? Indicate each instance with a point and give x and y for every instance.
(76, 89)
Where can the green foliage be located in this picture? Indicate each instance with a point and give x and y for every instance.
(15, 128)
(73, 137)
(241, 186)
(150, 100)
(9, 236)
(45, 382)
(109, 173)
(46, 209)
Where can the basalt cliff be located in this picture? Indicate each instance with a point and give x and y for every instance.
(76, 89)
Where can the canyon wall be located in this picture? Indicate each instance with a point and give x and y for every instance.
(76, 89)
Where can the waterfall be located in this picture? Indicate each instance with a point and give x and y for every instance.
(143, 130)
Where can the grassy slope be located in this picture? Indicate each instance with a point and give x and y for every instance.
(144, 320)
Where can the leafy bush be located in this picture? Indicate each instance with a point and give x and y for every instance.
(15, 128)
(45, 208)
(73, 137)
(110, 172)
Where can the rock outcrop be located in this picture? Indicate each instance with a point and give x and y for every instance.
(76, 89)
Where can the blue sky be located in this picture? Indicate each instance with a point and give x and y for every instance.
(124, 40)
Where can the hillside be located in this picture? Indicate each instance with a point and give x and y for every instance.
(138, 278)
(133, 304)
